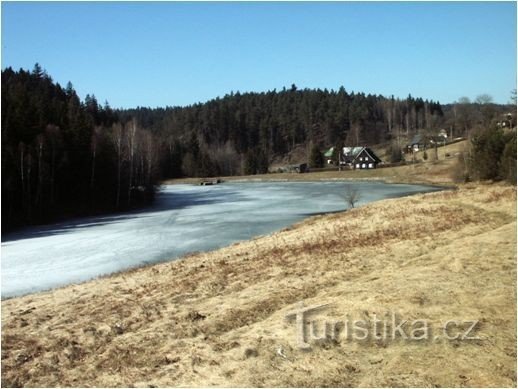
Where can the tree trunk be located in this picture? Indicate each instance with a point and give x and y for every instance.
(40, 173)
(117, 200)
(29, 205)
(92, 178)
(22, 168)
(52, 175)
(131, 143)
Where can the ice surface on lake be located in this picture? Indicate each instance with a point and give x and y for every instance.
(183, 219)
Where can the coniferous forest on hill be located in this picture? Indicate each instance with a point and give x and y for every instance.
(65, 157)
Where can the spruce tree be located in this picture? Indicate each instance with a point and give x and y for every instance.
(316, 159)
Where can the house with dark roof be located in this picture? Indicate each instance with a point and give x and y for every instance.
(421, 142)
(417, 143)
(359, 158)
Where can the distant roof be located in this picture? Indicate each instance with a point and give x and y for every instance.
(371, 153)
(329, 153)
(417, 139)
(352, 151)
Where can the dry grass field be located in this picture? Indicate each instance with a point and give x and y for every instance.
(218, 318)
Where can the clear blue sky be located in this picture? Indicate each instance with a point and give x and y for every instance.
(157, 54)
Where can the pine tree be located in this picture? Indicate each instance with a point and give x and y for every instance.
(316, 158)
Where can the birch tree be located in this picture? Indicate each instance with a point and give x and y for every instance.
(54, 139)
(21, 149)
(130, 136)
(40, 141)
(117, 135)
(94, 144)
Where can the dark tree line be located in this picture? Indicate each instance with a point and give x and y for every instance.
(64, 157)
(241, 133)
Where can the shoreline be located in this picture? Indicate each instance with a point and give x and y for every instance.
(397, 175)
(252, 238)
(429, 173)
(421, 172)
(426, 255)
(440, 185)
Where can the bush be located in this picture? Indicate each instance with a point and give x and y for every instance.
(460, 172)
(395, 153)
(316, 159)
(493, 155)
(256, 162)
(508, 162)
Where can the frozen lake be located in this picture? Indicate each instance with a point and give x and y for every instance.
(183, 219)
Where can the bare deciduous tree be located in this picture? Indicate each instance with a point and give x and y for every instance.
(352, 196)
(484, 99)
(131, 133)
(486, 108)
(29, 179)
(21, 149)
(40, 141)
(117, 135)
(463, 114)
(53, 135)
(94, 144)
(355, 133)
(149, 155)
(226, 158)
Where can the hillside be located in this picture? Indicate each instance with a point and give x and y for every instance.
(426, 172)
(218, 318)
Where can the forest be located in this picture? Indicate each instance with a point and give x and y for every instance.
(63, 157)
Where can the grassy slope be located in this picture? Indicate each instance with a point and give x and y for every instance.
(218, 318)
(438, 172)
